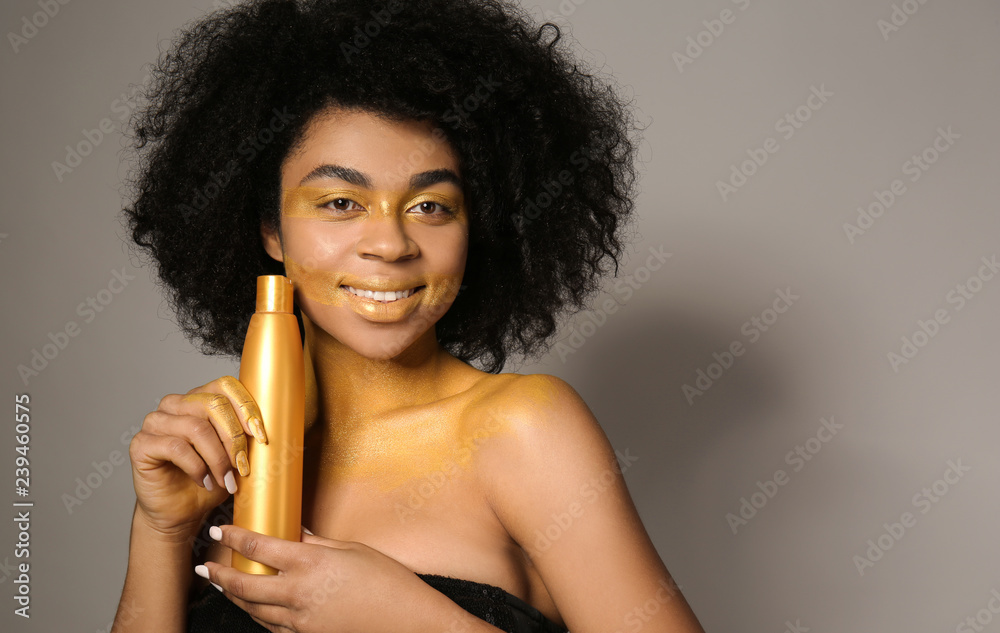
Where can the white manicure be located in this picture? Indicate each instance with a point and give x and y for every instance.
(208, 482)
(230, 482)
(202, 571)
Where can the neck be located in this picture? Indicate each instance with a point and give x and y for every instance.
(354, 391)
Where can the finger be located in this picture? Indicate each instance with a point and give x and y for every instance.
(202, 435)
(250, 588)
(269, 550)
(245, 404)
(228, 426)
(152, 449)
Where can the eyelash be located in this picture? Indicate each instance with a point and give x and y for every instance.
(445, 208)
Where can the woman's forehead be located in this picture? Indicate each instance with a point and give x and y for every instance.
(366, 149)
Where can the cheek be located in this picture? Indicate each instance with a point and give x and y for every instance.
(315, 244)
(313, 251)
(444, 248)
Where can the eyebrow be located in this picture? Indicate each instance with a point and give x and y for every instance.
(360, 179)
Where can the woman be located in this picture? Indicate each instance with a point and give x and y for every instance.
(439, 181)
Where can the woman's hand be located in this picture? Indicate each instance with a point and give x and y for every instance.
(327, 585)
(183, 457)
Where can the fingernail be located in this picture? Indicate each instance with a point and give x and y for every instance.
(215, 532)
(216, 586)
(202, 571)
(208, 482)
(258, 430)
(306, 530)
(242, 464)
(230, 480)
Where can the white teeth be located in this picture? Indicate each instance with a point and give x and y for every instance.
(380, 296)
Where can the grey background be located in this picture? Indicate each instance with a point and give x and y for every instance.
(826, 356)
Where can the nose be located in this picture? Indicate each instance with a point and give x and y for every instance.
(384, 237)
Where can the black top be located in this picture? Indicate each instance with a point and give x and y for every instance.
(212, 612)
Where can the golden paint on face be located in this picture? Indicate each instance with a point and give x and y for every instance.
(315, 284)
(313, 203)
(325, 286)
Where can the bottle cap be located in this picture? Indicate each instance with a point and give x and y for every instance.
(274, 294)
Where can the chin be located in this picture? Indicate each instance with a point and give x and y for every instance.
(375, 341)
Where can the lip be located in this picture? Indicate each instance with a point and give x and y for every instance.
(382, 311)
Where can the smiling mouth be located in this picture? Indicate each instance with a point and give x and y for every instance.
(383, 297)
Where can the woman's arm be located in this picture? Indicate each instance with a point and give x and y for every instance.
(156, 583)
(558, 490)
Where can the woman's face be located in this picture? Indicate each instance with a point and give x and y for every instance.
(374, 229)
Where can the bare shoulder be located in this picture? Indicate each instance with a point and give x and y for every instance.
(556, 487)
(544, 408)
(546, 426)
(530, 399)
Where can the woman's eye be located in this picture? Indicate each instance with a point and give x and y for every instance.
(428, 208)
(341, 204)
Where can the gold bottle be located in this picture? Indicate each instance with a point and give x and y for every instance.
(269, 499)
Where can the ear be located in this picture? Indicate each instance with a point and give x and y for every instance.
(272, 242)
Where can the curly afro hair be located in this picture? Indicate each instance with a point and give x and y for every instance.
(546, 151)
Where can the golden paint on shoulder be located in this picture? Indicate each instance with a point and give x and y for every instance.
(441, 440)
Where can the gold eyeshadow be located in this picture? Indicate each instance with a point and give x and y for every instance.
(308, 202)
